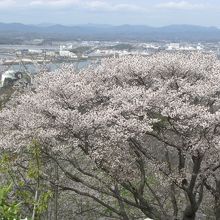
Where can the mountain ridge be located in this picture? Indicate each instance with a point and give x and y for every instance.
(111, 32)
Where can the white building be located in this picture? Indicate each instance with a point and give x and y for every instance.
(35, 51)
(173, 46)
(150, 46)
(84, 56)
(66, 47)
(199, 47)
(66, 53)
(187, 48)
(51, 53)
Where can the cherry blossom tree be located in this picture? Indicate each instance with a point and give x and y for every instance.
(149, 125)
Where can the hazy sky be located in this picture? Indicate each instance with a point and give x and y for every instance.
(147, 12)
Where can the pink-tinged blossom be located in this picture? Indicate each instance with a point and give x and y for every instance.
(102, 108)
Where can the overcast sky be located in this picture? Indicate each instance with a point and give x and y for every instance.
(147, 12)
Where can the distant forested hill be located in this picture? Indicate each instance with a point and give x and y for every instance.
(16, 32)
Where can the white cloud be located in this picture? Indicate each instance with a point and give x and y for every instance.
(54, 3)
(103, 5)
(7, 3)
(182, 5)
(106, 6)
(94, 5)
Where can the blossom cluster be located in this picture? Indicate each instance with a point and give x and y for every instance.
(101, 108)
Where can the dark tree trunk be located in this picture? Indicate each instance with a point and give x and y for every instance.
(56, 193)
(121, 205)
(193, 205)
(217, 201)
(217, 211)
(189, 214)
